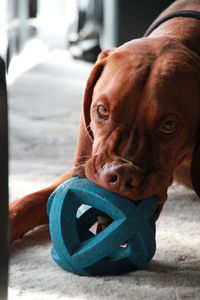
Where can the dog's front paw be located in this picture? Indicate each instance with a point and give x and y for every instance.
(16, 231)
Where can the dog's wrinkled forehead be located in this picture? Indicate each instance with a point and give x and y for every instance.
(123, 69)
(122, 80)
(128, 70)
(148, 83)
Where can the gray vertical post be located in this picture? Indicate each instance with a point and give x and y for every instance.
(23, 14)
(124, 20)
(3, 184)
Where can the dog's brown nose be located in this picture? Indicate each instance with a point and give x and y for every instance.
(120, 177)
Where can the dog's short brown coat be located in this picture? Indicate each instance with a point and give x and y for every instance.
(140, 122)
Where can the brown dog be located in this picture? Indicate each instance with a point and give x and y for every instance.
(140, 120)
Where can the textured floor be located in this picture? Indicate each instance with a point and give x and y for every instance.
(45, 106)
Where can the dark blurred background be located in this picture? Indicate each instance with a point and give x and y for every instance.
(85, 27)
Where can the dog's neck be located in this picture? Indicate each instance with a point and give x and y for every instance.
(185, 29)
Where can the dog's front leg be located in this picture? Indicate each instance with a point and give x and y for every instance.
(30, 211)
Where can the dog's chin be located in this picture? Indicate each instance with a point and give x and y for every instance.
(79, 172)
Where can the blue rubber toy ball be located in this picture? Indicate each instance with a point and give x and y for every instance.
(127, 244)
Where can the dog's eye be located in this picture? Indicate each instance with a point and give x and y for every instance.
(169, 127)
(103, 112)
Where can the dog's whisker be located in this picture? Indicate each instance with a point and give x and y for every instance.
(88, 127)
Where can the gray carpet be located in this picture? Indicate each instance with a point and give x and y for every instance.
(45, 107)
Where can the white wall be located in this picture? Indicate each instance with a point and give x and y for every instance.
(54, 18)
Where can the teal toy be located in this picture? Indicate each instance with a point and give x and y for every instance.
(127, 244)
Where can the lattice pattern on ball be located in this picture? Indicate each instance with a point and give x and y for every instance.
(75, 206)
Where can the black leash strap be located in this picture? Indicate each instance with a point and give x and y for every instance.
(3, 184)
(182, 13)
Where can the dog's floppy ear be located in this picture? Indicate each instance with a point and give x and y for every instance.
(195, 170)
(85, 137)
(92, 80)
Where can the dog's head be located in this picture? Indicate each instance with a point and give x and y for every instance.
(141, 110)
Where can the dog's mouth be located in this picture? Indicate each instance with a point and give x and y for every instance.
(79, 171)
(160, 195)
